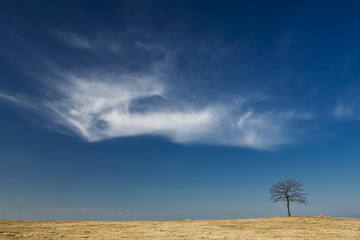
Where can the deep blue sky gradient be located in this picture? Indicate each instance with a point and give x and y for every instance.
(298, 60)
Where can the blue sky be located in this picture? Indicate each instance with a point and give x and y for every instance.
(166, 110)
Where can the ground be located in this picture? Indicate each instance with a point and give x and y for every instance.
(288, 228)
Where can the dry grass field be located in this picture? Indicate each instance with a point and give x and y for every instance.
(262, 228)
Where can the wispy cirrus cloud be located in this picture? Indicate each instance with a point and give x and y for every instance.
(105, 102)
(348, 104)
(345, 111)
(77, 41)
(96, 110)
(259, 129)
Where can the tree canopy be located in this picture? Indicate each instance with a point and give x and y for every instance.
(288, 190)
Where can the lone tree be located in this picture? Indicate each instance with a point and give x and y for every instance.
(288, 191)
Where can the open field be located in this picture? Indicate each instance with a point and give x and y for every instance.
(261, 228)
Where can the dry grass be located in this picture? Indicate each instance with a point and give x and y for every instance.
(262, 228)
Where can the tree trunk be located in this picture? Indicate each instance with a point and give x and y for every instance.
(288, 206)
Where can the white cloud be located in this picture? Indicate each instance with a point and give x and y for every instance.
(107, 43)
(105, 106)
(342, 111)
(348, 104)
(264, 130)
(103, 109)
(105, 102)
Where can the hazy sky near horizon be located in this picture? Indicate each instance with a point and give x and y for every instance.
(163, 110)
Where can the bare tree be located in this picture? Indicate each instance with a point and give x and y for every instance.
(288, 191)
